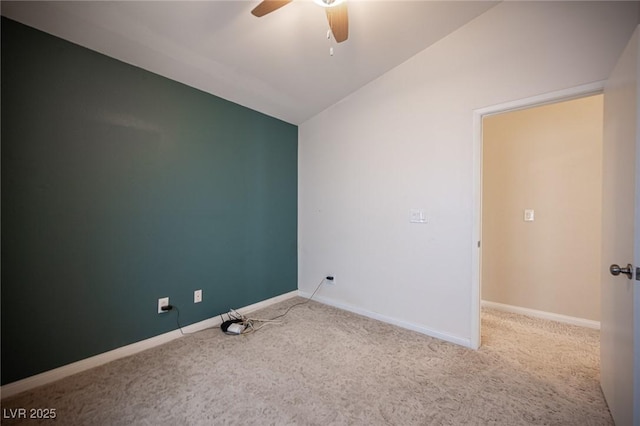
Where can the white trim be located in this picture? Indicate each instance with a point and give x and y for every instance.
(476, 237)
(546, 98)
(268, 302)
(478, 114)
(390, 320)
(582, 322)
(124, 351)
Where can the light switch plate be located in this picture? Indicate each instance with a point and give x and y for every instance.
(417, 216)
(528, 215)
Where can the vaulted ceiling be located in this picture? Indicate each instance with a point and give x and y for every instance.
(278, 64)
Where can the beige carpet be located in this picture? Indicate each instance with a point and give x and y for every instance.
(325, 366)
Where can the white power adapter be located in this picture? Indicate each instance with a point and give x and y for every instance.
(235, 328)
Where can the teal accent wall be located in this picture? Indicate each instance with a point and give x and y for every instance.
(119, 187)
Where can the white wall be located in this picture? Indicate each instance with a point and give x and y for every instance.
(406, 141)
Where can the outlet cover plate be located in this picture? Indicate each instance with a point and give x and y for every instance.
(197, 296)
(163, 301)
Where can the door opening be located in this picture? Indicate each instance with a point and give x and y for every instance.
(542, 211)
(551, 204)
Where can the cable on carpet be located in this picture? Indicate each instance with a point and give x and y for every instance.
(241, 324)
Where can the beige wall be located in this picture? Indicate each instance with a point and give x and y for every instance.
(548, 159)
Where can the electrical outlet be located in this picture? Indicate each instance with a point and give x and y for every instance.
(197, 296)
(163, 301)
(327, 281)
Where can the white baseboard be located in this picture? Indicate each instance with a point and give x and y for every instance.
(14, 388)
(542, 314)
(390, 320)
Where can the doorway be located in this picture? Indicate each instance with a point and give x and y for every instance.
(542, 210)
(532, 228)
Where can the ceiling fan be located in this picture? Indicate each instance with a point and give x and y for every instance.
(336, 14)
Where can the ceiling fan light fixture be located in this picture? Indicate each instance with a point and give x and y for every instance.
(328, 3)
(336, 11)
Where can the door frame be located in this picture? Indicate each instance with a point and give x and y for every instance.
(476, 237)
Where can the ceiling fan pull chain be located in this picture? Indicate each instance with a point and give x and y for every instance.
(330, 43)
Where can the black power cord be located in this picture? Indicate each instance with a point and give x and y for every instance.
(235, 319)
(329, 278)
(248, 324)
(167, 308)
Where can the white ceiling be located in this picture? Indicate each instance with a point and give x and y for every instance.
(278, 64)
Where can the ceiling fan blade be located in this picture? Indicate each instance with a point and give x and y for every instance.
(268, 6)
(338, 22)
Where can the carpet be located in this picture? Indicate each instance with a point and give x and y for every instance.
(325, 366)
